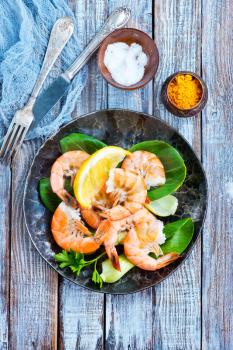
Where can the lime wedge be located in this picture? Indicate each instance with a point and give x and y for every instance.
(110, 275)
(164, 206)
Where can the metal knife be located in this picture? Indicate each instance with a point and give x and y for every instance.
(59, 87)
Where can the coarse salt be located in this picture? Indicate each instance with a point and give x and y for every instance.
(125, 63)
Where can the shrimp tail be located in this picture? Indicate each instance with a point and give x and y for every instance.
(118, 212)
(107, 234)
(102, 231)
(91, 217)
(167, 259)
(67, 198)
(113, 257)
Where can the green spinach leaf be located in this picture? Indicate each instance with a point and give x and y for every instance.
(48, 197)
(178, 235)
(173, 163)
(77, 141)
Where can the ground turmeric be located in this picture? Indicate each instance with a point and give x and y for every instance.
(184, 91)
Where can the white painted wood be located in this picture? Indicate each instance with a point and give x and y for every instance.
(217, 278)
(177, 312)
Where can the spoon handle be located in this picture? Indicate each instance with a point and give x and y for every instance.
(118, 18)
(60, 34)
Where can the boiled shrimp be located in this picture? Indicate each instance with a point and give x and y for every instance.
(137, 252)
(121, 219)
(117, 220)
(125, 186)
(126, 192)
(70, 233)
(66, 166)
(149, 228)
(145, 236)
(146, 164)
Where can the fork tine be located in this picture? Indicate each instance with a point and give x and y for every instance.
(16, 141)
(10, 140)
(19, 144)
(7, 136)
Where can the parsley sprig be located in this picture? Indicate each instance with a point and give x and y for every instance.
(76, 262)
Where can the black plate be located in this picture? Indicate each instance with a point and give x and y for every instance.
(122, 128)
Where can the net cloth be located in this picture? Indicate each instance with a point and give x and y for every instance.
(25, 29)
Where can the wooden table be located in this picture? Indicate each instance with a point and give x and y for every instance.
(193, 308)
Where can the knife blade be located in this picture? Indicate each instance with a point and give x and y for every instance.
(49, 97)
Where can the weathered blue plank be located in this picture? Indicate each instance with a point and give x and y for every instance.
(33, 284)
(169, 316)
(5, 195)
(81, 320)
(217, 278)
(129, 318)
(177, 313)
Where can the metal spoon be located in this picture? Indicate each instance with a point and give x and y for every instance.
(118, 18)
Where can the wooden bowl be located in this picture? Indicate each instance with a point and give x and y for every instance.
(184, 112)
(129, 36)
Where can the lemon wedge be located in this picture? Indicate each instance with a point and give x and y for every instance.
(94, 172)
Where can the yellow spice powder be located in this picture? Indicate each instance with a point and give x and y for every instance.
(184, 91)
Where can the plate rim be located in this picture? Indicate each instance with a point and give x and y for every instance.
(149, 116)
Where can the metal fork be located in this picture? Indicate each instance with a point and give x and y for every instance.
(60, 34)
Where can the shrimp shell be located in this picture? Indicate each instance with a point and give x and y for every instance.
(66, 166)
(146, 164)
(70, 233)
(137, 253)
(125, 186)
(148, 227)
